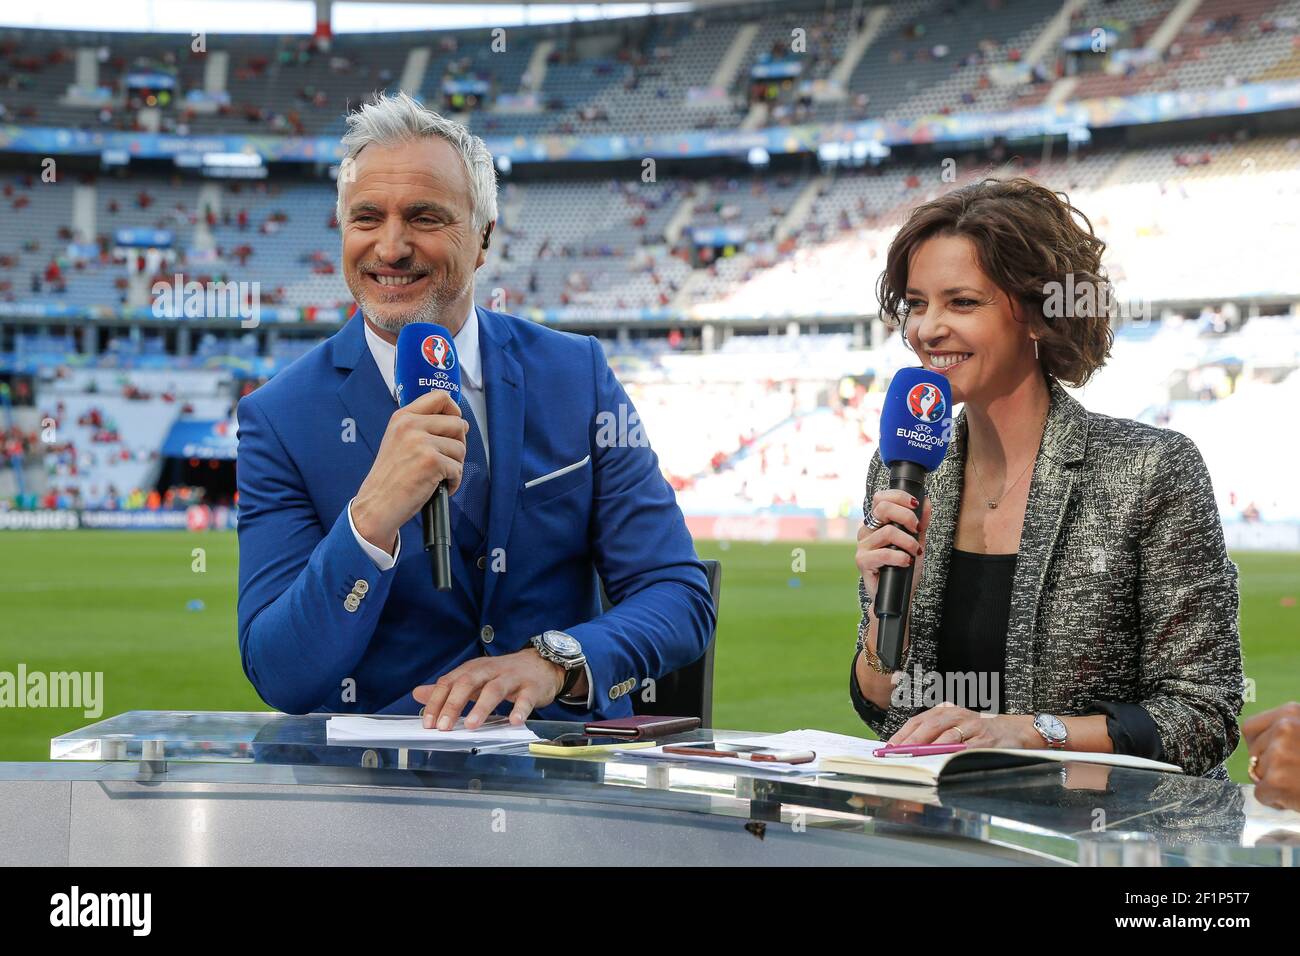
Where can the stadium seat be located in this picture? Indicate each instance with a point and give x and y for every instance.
(687, 692)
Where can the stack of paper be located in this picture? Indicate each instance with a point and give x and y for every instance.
(410, 732)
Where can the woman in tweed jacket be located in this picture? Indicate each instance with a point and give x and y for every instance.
(1122, 621)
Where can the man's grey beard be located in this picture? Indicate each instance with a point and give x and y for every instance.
(433, 309)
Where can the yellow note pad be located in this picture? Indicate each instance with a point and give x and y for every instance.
(542, 749)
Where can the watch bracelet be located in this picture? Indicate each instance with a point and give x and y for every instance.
(571, 676)
(870, 656)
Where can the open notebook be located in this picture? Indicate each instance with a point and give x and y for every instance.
(930, 771)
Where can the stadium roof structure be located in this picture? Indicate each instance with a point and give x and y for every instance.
(349, 16)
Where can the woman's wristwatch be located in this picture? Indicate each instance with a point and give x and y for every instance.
(1052, 729)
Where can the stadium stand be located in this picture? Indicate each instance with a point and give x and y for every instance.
(605, 244)
(798, 243)
(636, 75)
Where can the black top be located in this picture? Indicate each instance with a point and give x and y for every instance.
(972, 649)
(972, 644)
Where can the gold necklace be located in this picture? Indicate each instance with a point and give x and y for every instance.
(993, 502)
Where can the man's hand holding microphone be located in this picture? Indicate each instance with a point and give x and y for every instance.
(423, 445)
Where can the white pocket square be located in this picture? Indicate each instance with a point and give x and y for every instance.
(556, 474)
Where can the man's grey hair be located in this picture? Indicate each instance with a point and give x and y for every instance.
(393, 119)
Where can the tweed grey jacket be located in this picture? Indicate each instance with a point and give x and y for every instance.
(1123, 589)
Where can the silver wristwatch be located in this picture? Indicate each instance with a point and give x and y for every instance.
(563, 649)
(1052, 729)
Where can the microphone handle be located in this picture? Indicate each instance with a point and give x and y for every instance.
(894, 595)
(437, 536)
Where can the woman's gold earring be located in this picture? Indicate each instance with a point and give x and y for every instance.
(1035, 350)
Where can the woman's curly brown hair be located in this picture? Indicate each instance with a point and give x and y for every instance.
(1027, 242)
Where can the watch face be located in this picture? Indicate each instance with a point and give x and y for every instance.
(1051, 726)
(557, 642)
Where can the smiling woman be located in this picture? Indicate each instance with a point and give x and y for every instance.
(1007, 250)
(1081, 575)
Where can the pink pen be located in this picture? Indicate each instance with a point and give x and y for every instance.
(918, 750)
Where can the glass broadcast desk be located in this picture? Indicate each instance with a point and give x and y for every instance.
(153, 787)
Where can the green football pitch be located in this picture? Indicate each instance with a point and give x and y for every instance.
(136, 606)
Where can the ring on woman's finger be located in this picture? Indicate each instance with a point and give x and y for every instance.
(872, 521)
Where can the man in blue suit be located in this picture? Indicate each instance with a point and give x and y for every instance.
(550, 487)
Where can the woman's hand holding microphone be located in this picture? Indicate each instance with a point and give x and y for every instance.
(875, 551)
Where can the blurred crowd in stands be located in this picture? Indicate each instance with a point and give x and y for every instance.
(297, 85)
(175, 498)
(769, 244)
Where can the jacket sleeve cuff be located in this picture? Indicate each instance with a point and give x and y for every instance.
(872, 715)
(1131, 728)
(591, 693)
(383, 560)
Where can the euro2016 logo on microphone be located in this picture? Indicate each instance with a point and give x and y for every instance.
(926, 403)
(437, 352)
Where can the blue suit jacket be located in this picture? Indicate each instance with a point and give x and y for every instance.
(615, 516)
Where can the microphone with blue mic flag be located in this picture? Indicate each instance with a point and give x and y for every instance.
(915, 427)
(426, 362)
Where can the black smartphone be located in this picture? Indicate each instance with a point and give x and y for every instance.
(582, 740)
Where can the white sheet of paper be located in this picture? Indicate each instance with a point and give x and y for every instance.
(355, 729)
(821, 742)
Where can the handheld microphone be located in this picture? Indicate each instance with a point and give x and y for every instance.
(426, 361)
(915, 427)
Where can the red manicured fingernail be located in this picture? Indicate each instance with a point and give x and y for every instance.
(913, 502)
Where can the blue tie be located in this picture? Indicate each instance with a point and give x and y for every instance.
(471, 497)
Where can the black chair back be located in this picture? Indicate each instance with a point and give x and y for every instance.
(687, 692)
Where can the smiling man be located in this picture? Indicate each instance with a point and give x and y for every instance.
(337, 611)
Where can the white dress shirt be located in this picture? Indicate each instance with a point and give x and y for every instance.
(470, 357)
(471, 368)
(471, 382)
